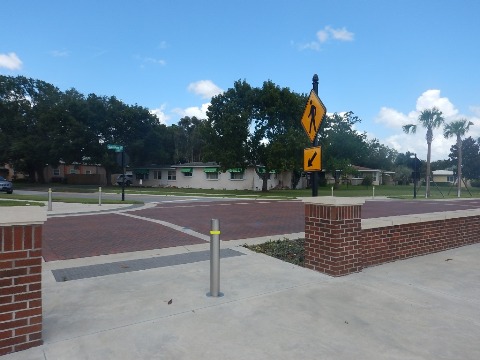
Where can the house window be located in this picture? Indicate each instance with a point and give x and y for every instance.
(187, 172)
(56, 172)
(172, 175)
(73, 171)
(450, 179)
(88, 172)
(236, 174)
(157, 174)
(143, 176)
(212, 175)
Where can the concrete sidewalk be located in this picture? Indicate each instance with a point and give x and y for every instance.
(421, 308)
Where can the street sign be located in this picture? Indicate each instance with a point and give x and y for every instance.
(313, 115)
(117, 148)
(312, 159)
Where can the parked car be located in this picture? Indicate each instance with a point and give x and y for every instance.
(6, 185)
(128, 180)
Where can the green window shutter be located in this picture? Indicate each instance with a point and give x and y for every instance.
(236, 170)
(186, 170)
(211, 170)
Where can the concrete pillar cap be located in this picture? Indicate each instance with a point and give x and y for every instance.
(23, 215)
(333, 200)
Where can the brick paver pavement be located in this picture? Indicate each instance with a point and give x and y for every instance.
(238, 220)
(103, 234)
(100, 234)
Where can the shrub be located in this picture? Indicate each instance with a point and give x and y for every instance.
(291, 251)
(475, 183)
(367, 181)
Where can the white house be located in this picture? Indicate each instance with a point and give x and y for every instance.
(378, 176)
(207, 176)
(444, 176)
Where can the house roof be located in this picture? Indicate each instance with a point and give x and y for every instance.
(443, 172)
(151, 167)
(361, 168)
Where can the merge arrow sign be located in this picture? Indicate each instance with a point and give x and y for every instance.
(312, 159)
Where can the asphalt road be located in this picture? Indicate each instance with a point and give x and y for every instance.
(146, 198)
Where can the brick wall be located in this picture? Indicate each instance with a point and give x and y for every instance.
(20, 283)
(332, 241)
(390, 243)
(337, 244)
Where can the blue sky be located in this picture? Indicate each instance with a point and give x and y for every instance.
(383, 60)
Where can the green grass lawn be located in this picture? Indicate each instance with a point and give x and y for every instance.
(19, 200)
(392, 191)
(398, 191)
(6, 202)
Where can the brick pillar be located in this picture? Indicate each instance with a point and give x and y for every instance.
(333, 235)
(20, 278)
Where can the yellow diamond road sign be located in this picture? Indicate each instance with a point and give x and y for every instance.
(312, 159)
(313, 115)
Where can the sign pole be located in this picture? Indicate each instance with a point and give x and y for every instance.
(315, 143)
(312, 118)
(123, 173)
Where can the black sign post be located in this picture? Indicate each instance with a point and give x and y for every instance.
(123, 174)
(315, 143)
(312, 119)
(120, 149)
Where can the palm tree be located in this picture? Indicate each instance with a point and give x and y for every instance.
(457, 128)
(430, 119)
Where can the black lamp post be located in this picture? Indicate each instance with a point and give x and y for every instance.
(414, 175)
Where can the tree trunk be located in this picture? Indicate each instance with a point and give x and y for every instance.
(427, 177)
(40, 174)
(265, 182)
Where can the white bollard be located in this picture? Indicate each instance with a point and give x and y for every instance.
(99, 196)
(49, 199)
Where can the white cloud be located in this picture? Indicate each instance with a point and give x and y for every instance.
(431, 98)
(340, 34)
(310, 46)
(59, 53)
(416, 143)
(205, 88)
(475, 110)
(160, 113)
(10, 61)
(144, 61)
(322, 36)
(394, 119)
(155, 61)
(198, 112)
(326, 34)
